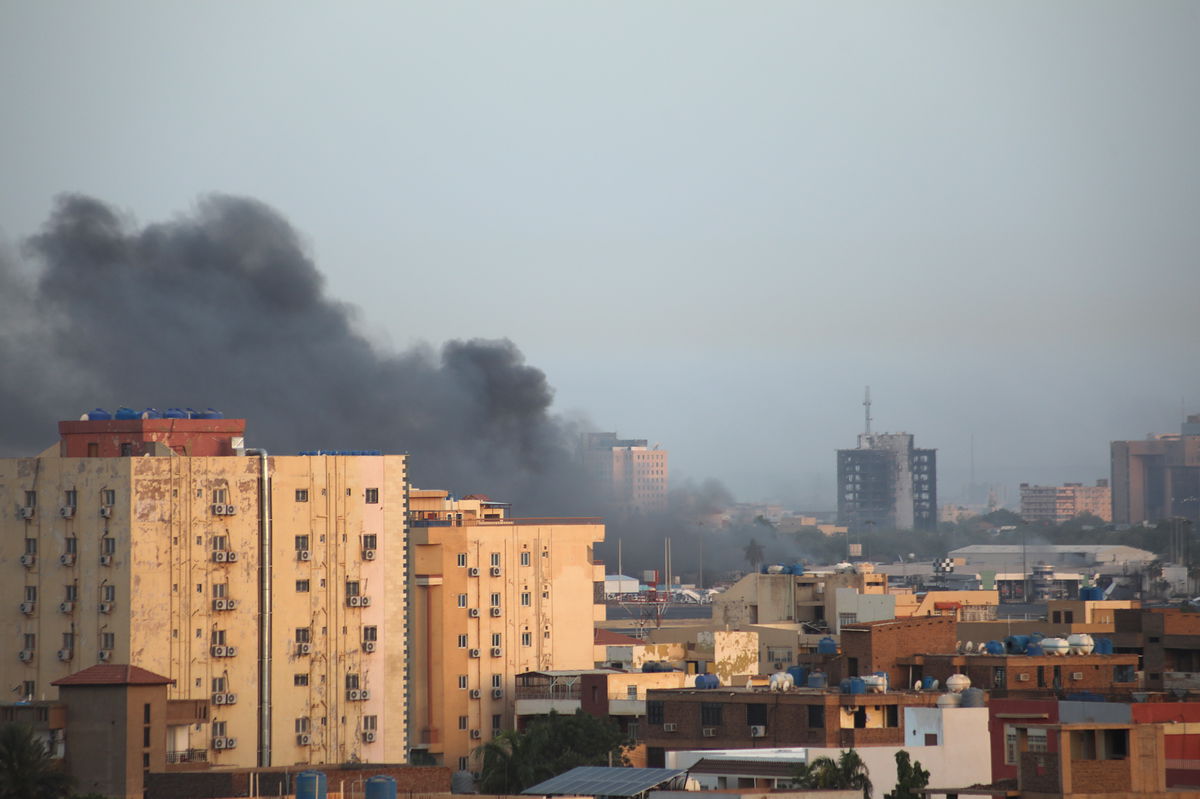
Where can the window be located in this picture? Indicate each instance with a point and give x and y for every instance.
(463, 722)
(524, 558)
(462, 681)
(68, 641)
(463, 763)
(497, 722)
(495, 600)
(30, 641)
(302, 495)
(218, 729)
(218, 685)
(351, 588)
(108, 497)
(303, 725)
(526, 639)
(108, 546)
(372, 496)
(218, 638)
(219, 543)
(220, 496)
(28, 689)
(31, 593)
(31, 499)
(462, 600)
(71, 592)
(1041, 676)
(108, 593)
(370, 633)
(302, 586)
(462, 559)
(370, 723)
(1010, 744)
(462, 642)
(301, 543)
(351, 682)
(816, 717)
(654, 712)
(526, 599)
(303, 635)
(779, 654)
(1037, 740)
(755, 714)
(496, 679)
(710, 714)
(998, 676)
(370, 541)
(496, 639)
(30, 546)
(70, 498)
(300, 680)
(495, 558)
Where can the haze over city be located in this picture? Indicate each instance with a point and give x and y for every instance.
(708, 225)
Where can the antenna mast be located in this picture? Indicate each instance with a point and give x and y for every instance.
(867, 405)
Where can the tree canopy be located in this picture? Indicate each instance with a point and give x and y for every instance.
(549, 745)
(26, 769)
(848, 772)
(911, 779)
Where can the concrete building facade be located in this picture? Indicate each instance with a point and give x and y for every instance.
(1157, 478)
(491, 597)
(632, 475)
(1058, 504)
(887, 483)
(271, 588)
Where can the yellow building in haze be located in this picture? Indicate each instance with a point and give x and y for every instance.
(274, 588)
(491, 597)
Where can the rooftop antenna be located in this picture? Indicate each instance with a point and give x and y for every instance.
(867, 405)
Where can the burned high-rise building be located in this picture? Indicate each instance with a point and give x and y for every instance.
(887, 483)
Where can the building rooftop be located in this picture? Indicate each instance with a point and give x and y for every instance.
(114, 674)
(604, 781)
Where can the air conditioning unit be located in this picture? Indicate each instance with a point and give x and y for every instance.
(496, 571)
(66, 607)
(364, 694)
(67, 511)
(65, 654)
(28, 607)
(219, 651)
(106, 607)
(28, 559)
(26, 513)
(354, 601)
(104, 655)
(25, 655)
(368, 646)
(473, 613)
(476, 735)
(353, 695)
(106, 512)
(231, 651)
(303, 649)
(495, 611)
(369, 736)
(220, 556)
(709, 732)
(670, 726)
(472, 572)
(366, 601)
(1077, 675)
(303, 554)
(1022, 678)
(368, 554)
(475, 693)
(758, 731)
(218, 699)
(474, 653)
(232, 558)
(220, 604)
(230, 510)
(231, 743)
(67, 559)
(218, 743)
(497, 651)
(218, 510)
(497, 693)
(231, 699)
(106, 560)
(231, 604)
(303, 739)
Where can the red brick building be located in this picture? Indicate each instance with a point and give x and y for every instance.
(875, 646)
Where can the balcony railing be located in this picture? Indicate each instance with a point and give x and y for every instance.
(188, 756)
(540, 692)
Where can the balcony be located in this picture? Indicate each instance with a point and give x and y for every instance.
(187, 759)
(187, 711)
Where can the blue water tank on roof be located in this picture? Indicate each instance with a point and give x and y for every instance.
(174, 413)
(818, 680)
(127, 413)
(310, 785)
(381, 787)
(972, 697)
(98, 413)
(994, 648)
(857, 685)
(927, 683)
(152, 413)
(799, 675)
(827, 646)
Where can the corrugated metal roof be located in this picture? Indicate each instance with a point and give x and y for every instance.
(604, 781)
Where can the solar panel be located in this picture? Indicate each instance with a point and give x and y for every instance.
(603, 781)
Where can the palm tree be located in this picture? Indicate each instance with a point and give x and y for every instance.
(510, 763)
(26, 769)
(848, 772)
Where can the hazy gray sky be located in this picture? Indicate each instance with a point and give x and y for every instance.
(711, 224)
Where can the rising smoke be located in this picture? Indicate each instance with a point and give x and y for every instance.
(223, 308)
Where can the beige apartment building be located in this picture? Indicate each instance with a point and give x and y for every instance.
(634, 476)
(491, 597)
(1058, 504)
(272, 587)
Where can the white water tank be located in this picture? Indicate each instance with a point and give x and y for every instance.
(949, 700)
(957, 683)
(1081, 644)
(875, 684)
(1054, 646)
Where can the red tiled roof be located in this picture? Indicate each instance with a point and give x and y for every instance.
(609, 638)
(114, 674)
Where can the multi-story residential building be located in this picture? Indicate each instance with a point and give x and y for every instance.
(887, 483)
(1058, 504)
(491, 597)
(1157, 478)
(629, 473)
(270, 587)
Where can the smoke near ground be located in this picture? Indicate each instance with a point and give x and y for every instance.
(223, 308)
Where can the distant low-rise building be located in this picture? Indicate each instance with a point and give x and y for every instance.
(1059, 504)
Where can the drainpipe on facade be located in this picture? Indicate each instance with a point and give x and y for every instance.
(264, 599)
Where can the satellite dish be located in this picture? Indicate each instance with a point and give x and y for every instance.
(917, 685)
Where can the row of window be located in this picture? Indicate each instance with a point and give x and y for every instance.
(304, 724)
(108, 498)
(712, 714)
(29, 641)
(108, 593)
(526, 599)
(108, 546)
(370, 495)
(497, 639)
(496, 559)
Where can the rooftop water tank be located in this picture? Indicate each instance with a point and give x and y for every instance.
(928, 683)
(1081, 644)
(1054, 646)
(949, 700)
(875, 684)
(781, 681)
(994, 648)
(127, 413)
(211, 413)
(380, 786)
(956, 683)
(97, 413)
(1016, 644)
(177, 413)
(799, 674)
(310, 785)
(827, 646)
(712, 681)
(818, 680)
(1034, 649)
(1104, 646)
(972, 697)
(152, 413)
(857, 685)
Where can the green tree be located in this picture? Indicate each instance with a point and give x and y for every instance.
(550, 745)
(26, 769)
(911, 779)
(848, 772)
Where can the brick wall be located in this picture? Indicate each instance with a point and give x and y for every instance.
(1039, 772)
(221, 784)
(876, 646)
(1100, 776)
